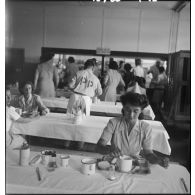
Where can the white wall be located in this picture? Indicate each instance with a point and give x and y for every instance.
(183, 39)
(26, 29)
(32, 25)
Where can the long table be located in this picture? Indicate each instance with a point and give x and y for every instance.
(70, 180)
(102, 107)
(60, 126)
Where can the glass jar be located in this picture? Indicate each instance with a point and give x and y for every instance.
(52, 162)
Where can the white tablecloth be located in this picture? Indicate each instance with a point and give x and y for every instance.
(59, 126)
(71, 180)
(101, 107)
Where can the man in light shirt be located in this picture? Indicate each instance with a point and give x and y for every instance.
(13, 140)
(85, 86)
(138, 70)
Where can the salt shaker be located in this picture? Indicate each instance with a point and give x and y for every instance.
(24, 155)
(112, 172)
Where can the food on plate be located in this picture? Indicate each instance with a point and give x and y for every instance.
(104, 165)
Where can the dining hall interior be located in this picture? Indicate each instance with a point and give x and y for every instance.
(98, 96)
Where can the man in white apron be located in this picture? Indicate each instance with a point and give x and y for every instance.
(85, 85)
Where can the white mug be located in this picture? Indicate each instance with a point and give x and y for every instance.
(64, 160)
(88, 166)
(125, 163)
(24, 157)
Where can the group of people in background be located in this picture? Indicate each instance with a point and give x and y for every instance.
(119, 78)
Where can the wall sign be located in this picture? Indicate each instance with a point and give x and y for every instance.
(103, 51)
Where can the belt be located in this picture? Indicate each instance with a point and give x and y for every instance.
(79, 93)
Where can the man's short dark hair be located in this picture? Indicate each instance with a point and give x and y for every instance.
(88, 63)
(46, 57)
(137, 61)
(113, 65)
(161, 69)
(71, 59)
(127, 67)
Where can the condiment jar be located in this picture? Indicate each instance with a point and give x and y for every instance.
(24, 155)
(52, 164)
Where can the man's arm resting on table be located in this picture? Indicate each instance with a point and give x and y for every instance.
(154, 159)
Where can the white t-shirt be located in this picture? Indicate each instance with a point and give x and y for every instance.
(11, 116)
(139, 71)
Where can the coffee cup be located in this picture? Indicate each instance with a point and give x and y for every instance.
(88, 166)
(64, 160)
(125, 163)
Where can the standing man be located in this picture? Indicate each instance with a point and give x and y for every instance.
(154, 70)
(138, 70)
(85, 86)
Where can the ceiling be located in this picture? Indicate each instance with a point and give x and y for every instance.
(133, 4)
(121, 4)
(130, 4)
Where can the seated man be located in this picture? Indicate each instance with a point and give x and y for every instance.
(13, 140)
(128, 134)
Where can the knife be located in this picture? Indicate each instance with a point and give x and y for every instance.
(38, 174)
(184, 184)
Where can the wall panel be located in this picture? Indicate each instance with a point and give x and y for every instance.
(73, 27)
(183, 39)
(121, 29)
(32, 25)
(27, 29)
(155, 31)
